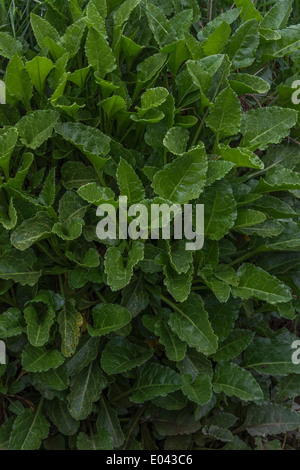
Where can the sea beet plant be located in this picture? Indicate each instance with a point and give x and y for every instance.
(140, 344)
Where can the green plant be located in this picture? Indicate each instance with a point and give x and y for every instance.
(141, 344)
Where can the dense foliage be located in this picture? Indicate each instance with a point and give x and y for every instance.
(141, 344)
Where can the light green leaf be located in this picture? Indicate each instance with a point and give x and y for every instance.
(90, 141)
(248, 10)
(18, 83)
(264, 126)
(243, 83)
(9, 46)
(184, 178)
(99, 54)
(35, 128)
(241, 157)
(129, 183)
(225, 117)
(257, 283)
(176, 140)
(42, 29)
(38, 70)
(243, 44)
(216, 42)
(119, 273)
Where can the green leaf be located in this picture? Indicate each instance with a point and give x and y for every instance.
(248, 10)
(271, 356)
(232, 380)
(102, 440)
(121, 355)
(154, 381)
(85, 389)
(99, 54)
(38, 70)
(175, 348)
(193, 328)
(243, 83)
(107, 318)
(18, 83)
(199, 390)
(184, 178)
(28, 431)
(216, 42)
(58, 413)
(249, 217)
(8, 140)
(179, 285)
(11, 323)
(42, 29)
(108, 419)
(20, 269)
(271, 419)
(236, 342)
(32, 231)
(225, 117)
(119, 273)
(279, 178)
(286, 44)
(69, 321)
(257, 283)
(90, 141)
(129, 183)
(35, 128)
(277, 17)
(243, 44)
(38, 327)
(40, 359)
(241, 157)
(86, 352)
(176, 140)
(219, 209)
(264, 126)
(57, 379)
(9, 46)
